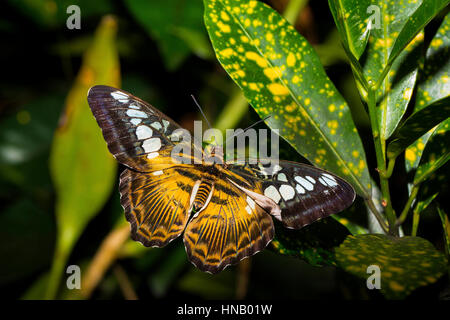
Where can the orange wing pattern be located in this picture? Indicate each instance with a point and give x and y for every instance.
(231, 228)
(156, 204)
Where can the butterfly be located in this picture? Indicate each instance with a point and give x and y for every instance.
(224, 210)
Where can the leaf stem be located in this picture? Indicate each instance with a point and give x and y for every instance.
(408, 204)
(388, 173)
(446, 227)
(416, 219)
(377, 215)
(233, 111)
(381, 161)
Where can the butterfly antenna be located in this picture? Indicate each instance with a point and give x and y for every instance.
(201, 111)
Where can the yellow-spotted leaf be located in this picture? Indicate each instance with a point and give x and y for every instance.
(281, 75)
(432, 98)
(352, 21)
(396, 90)
(82, 170)
(436, 152)
(405, 264)
(416, 22)
(417, 125)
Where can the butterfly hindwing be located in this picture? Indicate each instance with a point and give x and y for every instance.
(230, 228)
(156, 205)
(136, 133)
(303, 193)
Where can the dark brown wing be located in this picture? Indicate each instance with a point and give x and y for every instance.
(302, 193)
(136, 132)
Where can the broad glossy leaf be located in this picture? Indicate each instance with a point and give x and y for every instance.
(416, 22)
(397, 88)
(352, 21)
(417, 125)
(169, 22)
(83, 171)
(436, 152)
(281, 75)
(433, 94)
(434, 78)
(405, 263)
(314, 243)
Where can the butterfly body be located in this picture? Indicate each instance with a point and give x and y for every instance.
(224, 209)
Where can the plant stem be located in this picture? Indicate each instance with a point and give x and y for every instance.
(416, 218)
(381, 161)
(233, 111)
(405, 211)
(377, 215)
(446, 229)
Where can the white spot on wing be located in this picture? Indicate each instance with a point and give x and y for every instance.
(120, 96)
(311, 179)
(156, 125)
(165, 124)
(143, 132)
(158, 173)
(287, 192)
(151, 145)
(251, 203)
(272, 193)
(133, 106)
(300, 189)
(282, 177)
(135, 121)
(305, 183)
(249, 211)
(331, 182)
(136, 113)
(152, 155)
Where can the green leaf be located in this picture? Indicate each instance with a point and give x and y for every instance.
(435, 154)
(405, 263)
(396, 89)
(418, 124)
(82, 169)
(174, 24)
(432, 98)
(434, 78)
(415, 23)
(351, 19)
(314, 243)
(281, 75)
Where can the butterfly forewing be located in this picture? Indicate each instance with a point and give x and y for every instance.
(303, 193)
(136, 133)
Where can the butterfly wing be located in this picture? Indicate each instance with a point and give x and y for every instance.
(294, 193)
(155, 197)
(156, 205)
(230, 228)
(137, 134)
